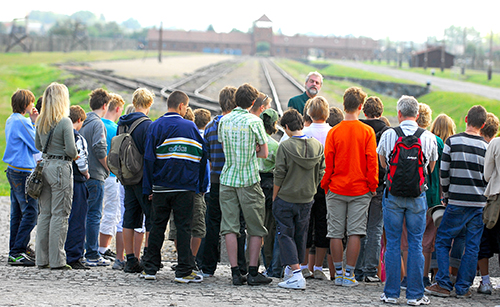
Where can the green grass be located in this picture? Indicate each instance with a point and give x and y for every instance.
(456, 105)
(349, 72)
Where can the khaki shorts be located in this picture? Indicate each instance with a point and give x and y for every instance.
(251, 201)
(198, 228)
(347, 213)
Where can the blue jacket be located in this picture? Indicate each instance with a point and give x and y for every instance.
(20, 143)
(175, 156)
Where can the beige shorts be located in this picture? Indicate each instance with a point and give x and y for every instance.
(347, 213)
(198, 228)
(251, 201)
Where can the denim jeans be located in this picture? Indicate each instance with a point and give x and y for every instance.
(413, 210)
(275, 269)
(292, 222)
(369, 253)
(455, 219)
(96, 195)
(23, 212)
(75, 239)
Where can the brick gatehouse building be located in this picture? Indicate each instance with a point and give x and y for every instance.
(238, 43)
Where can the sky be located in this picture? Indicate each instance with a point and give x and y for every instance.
(398, 20)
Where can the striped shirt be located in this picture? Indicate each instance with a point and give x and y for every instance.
(239, 132)
(462, 166)
(215, 152)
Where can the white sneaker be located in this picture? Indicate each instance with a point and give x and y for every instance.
(389, 300)
(424, 300)
(294, 282)
(97, 262)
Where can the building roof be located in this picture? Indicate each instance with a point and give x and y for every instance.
(432, 49)
(324, 42)
(264, 18)
(200, 36)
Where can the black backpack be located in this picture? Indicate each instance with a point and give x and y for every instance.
(406, 171)
(124, 159)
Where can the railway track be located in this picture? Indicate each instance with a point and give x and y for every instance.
(278, 84)
(281, 86)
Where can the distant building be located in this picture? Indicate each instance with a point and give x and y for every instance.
(434, 55)
(238, 43)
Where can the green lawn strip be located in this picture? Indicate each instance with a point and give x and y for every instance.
(473, 76)
(456, 105)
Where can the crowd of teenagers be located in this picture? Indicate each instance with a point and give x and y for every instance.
(353, 193)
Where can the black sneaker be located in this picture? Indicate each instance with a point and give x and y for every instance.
(133, 266)
(258, 279)
(109, 254)
(21, 260)
(30, 252)
(239, 280)
(78, 265)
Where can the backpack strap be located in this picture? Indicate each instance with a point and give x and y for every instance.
(137, 122)
(419, 132)
(399, 131)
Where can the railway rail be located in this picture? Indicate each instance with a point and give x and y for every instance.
(278, 84)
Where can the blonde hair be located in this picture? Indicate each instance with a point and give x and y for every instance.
(115, 101)
(424, 115)
(55, 107)
(443, 126)
(189, 114)
(143, 98)
(318, 108)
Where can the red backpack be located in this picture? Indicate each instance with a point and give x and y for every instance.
(406, 173)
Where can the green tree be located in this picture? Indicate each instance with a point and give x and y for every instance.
(131, 23)
(86, 17)
(210, 28)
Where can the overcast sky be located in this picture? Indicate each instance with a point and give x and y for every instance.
(397, 19)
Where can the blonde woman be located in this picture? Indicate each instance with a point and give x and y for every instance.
(55, 200)
(443, 126)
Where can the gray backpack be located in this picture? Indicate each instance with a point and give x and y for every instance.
(124, 159)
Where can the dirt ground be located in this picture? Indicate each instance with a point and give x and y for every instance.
(171, 67)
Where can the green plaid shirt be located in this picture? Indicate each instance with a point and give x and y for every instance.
(239, 132)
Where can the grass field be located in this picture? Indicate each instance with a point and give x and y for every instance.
(34, 72)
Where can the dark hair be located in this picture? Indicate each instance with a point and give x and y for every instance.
(201, 118)
(98, 98)
(336, 116)
(38, 105)
(262, 100)
(476, 116)
(176, 98)
(353, 98)
(270, 127)
(373, 107)
(293, 119)
(245, 96)
(76, 112)
(20, 100)
(226, 98)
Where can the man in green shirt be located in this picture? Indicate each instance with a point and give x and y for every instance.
(243, 139)
(314, 81)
